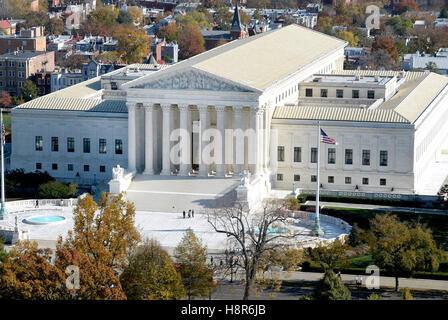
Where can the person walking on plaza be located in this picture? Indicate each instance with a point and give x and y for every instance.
(189, 213)
(192, 213)
(184, 214)
(37, 203)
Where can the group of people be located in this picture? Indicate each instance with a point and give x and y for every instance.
(190, 213)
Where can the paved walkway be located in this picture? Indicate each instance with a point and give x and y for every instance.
(377, 207)
(426, 284)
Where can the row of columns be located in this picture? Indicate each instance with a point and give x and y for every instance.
(258, 150)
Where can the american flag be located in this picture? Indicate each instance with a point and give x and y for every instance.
(3, 135)
(326, 139)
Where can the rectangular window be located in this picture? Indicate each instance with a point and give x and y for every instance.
(371, 94)
(86, 168)
(348, 180)
(366, 157)
(118, 146)
(382, 182)
(86, 145)
(365, 180)
(102, 168)
(323, 93)
(54, 144)
(348, 156)
(297, 177)
(339, 93)
(38, 166)
(313, 155)
(54, 166)
(71, 144)
(280, 153)
(39, 143)
(279, 177)
(313, 178)
(297, 154)
(330, 179)
(102, 146)
(70, 167)
(309, 92)
(355, 94)
(383, 158)
(331, 155)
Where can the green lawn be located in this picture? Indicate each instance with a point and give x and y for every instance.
(437, 223)
(7, 121)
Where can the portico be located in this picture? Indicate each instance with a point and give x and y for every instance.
(196, 139)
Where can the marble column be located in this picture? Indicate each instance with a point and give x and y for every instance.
(204, 160)
(132, 137)
(266, 140)
(149, 142)
(239, 140)
(185, 144)
(259, 135)
(254, 144)
(220, 141)
(166, 162)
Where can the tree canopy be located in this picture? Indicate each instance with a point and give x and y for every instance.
(402, 248)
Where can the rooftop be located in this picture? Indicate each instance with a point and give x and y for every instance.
(23, 54)
(248, 61)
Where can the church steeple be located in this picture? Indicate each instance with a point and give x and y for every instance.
(236, 30)
(236, 22)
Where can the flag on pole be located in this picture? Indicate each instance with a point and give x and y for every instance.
(325, 138)
(3, 134)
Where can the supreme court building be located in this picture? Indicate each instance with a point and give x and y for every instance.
(275, 86)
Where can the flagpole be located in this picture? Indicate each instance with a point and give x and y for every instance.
(317, 228)
(3, 207)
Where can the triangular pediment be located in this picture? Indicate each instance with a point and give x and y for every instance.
(190, 79)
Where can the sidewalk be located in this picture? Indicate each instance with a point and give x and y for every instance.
(324, 204)
(384, 281)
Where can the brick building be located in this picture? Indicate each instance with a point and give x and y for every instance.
(18, 66)
(32, 39)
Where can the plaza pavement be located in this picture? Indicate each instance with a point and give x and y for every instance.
(175, 194)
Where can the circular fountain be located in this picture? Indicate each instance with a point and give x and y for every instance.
(41, 219)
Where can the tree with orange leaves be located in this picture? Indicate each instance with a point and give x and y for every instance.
(191, 41)
(386, 44)
(28, 273)
(104, 231)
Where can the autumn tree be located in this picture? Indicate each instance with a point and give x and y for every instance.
(251, 235)
(136, 14)
(405, 5)
(5, 99)
(133, 44)
(194, 17)
(402, 248)
(124, 17)
(151, 275)
(28, 273)
(105, 231)
(169, 32)
(330, 255)
(347, 36)
(387, 45)
(191, 42)
(401, 25)
(191, 256)
(106, 16)
(3, 253)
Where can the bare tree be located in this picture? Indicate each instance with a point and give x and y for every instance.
(254, 235)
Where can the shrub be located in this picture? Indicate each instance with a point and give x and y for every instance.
(355, 237)
(406, 294)
(374, 296)
(56, 190)
(332, 288)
